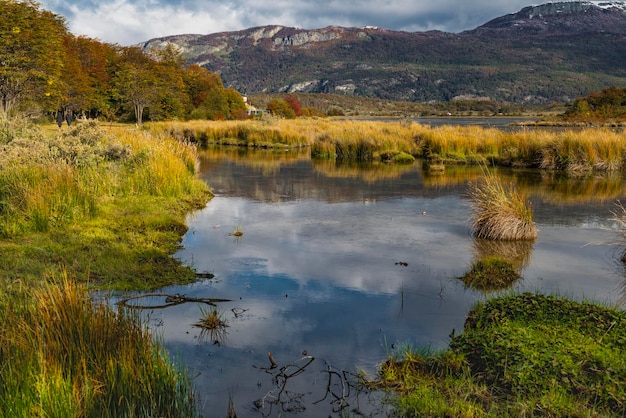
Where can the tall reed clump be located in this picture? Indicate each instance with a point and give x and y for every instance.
(500, 212)
(586, 150)
(156, 165)
(64, 355)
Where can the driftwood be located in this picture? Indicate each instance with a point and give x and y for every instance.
(170, 300)
(339, 388)
(279, 396)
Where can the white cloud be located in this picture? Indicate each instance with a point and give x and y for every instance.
(126, 22)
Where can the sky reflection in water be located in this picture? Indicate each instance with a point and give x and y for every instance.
(346, 264)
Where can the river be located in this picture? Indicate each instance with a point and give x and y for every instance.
(341, 265)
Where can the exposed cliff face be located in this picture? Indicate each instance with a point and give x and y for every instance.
(547, 53)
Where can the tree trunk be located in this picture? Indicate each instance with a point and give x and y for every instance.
(139, 113)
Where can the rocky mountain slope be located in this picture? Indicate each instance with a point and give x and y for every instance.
(541, 54)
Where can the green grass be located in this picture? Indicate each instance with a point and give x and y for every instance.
(106, 208)
(491, 273)
(65, 355)
(519, 355)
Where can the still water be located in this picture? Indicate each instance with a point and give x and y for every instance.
(339, 265)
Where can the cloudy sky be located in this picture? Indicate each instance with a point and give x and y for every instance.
(128, 22)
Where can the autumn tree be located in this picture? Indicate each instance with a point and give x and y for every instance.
(136, 79)
(173, 100)
(87, 76)
(294, 103)
(236, 105)
(610, 103)
(209, 98)
(279, 107)
(31, 53)
(48, 68)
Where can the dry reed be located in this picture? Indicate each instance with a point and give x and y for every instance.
(499, 211)
(590, 149)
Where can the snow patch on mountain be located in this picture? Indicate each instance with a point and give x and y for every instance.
(621, 5)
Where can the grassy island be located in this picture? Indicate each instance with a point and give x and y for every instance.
(524, 355)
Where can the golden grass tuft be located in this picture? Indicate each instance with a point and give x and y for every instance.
(500, 212)
(213, 326)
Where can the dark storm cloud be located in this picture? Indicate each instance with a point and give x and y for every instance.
(128, 22)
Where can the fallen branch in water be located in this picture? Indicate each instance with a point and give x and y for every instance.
(170, 300)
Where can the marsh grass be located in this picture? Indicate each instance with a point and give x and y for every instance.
(490, 274)
(108, 209)
(237, 231)
(66, 355)
(518, 355)
(213, 326)
(581, 150)
(327, 139)
(500, 212)
(106, 205)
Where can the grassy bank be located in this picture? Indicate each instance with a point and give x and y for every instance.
(107, 206)
(64, 356)
(593, 149)
(525, 355)
(102, 207)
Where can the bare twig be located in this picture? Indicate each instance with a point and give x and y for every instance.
(170, 300)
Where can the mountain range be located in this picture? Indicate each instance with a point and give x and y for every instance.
(549, 53)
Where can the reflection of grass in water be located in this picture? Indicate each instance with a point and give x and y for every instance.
(267, 161)
(550, 186)
(213, 325)
(568, 188)
(516, 252)
(370, 173)
(619, 215)
(491, 273)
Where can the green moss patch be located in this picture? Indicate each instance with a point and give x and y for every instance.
(520, 355)
(490, 273)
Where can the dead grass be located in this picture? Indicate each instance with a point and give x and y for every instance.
(500, 212)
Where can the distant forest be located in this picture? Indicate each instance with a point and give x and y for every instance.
(610, 103)
(44, 69)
